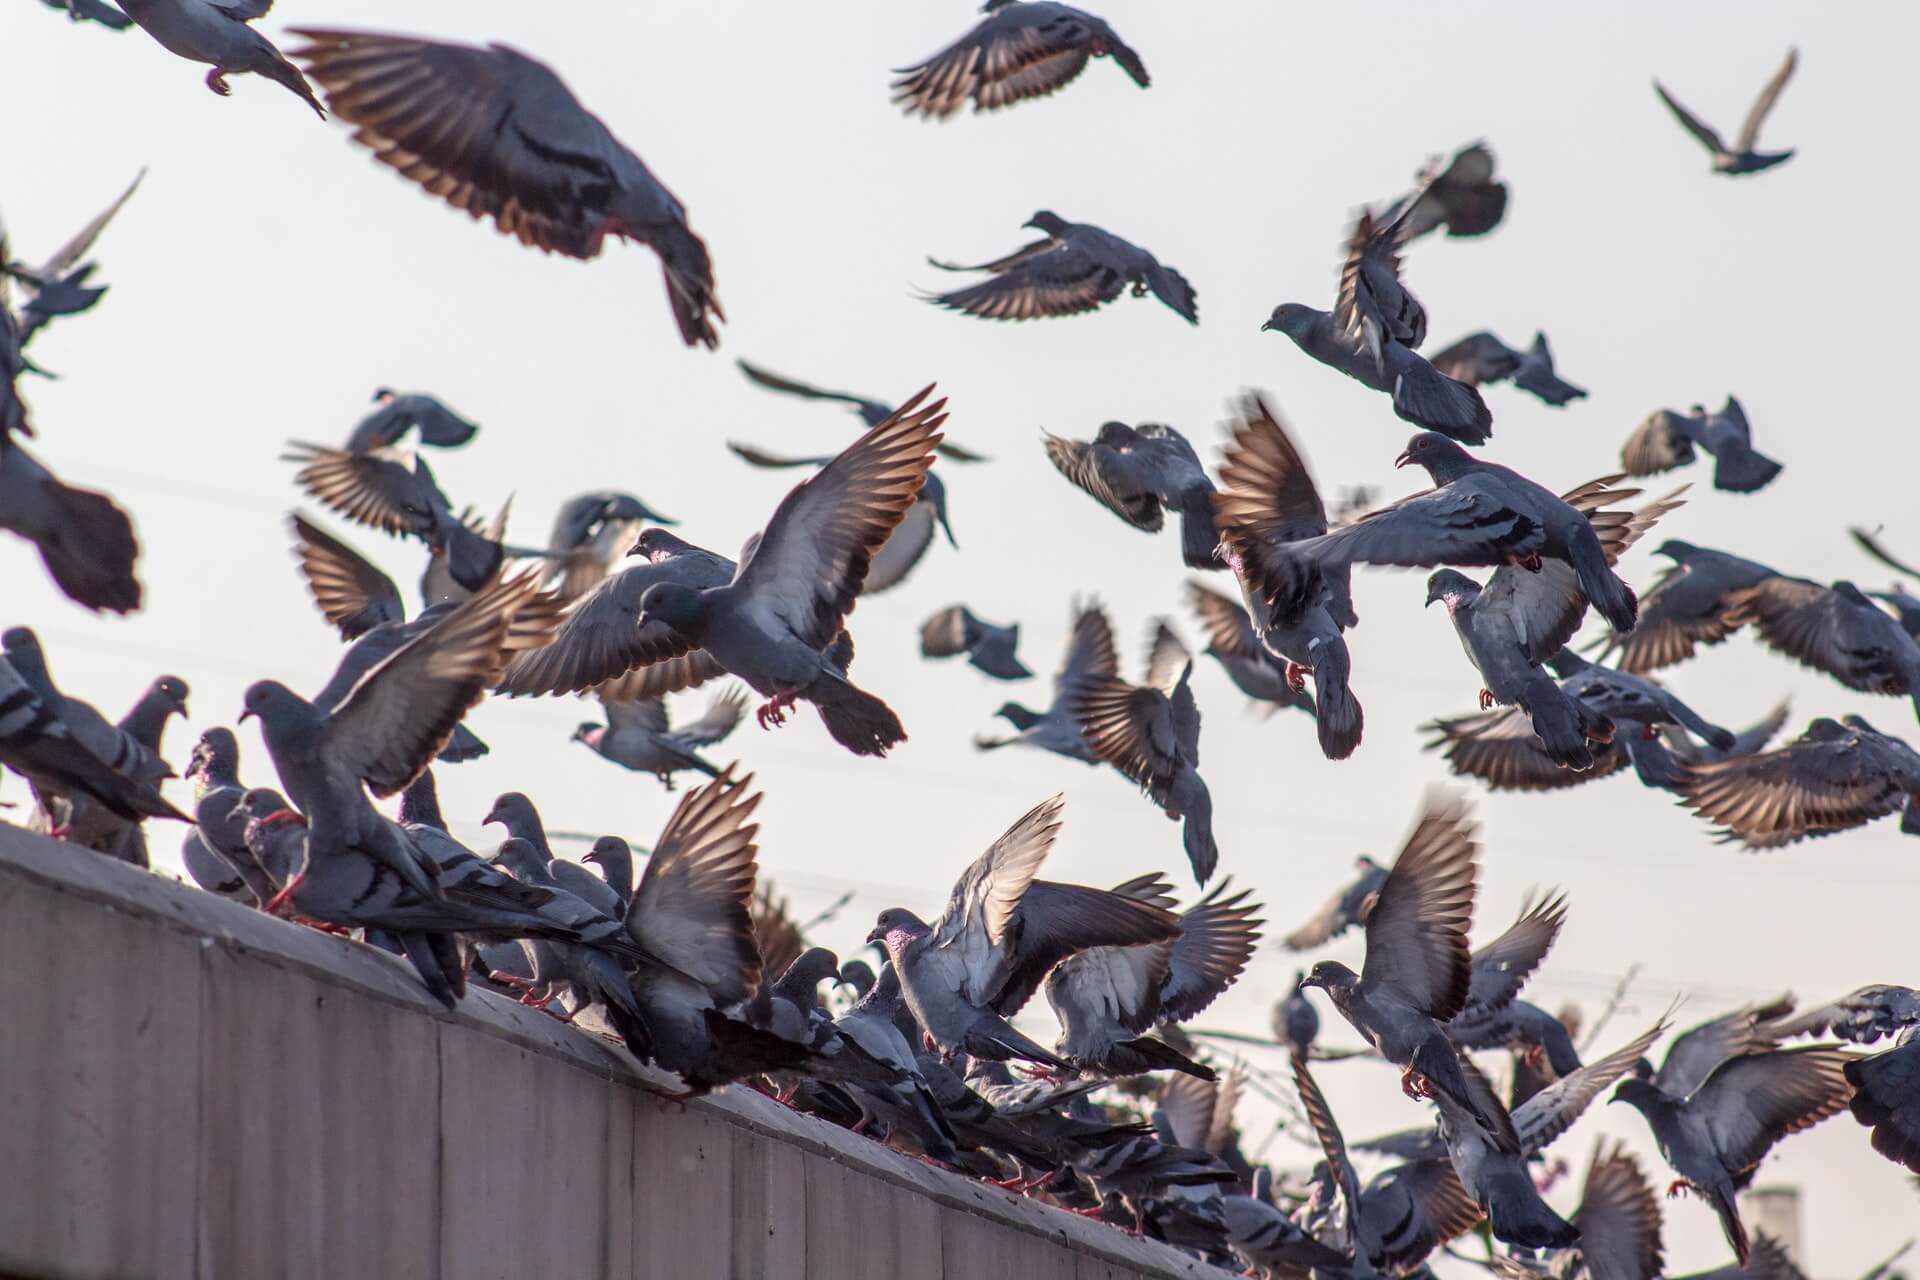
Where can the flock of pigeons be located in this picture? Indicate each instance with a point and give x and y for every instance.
(695, 967)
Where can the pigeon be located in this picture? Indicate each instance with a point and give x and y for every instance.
(614, 857)
(404, 411)
(1349, 906)
(593, 975)
(1860, 1017)
(498, 134)
(871, 412)
(1501, 968)
(1090, 656)
(1144, 1167)
(590, 533)
(1686, 608)
(1667, 440)
(1741, 158)
(1373, 307)
(219, 35)
(515, 812)
(1462, 196)
(1267, 501)
(1869, 542)
(85, 540)
(1832, 778)
(1233, 643)
(869, 1040)
(1150, 734)
(637, 735)
(906, 545)
(1418, 971)
(61, 756)
(1078, 267)
(1746, 742)
(1619, 1218)
(989, 647)
(1715, 1135)
(1836, 630)
(219, 825)
(1625, 696)
(92, 11)
(1139, 473)
(1263, 1237)
(1886, 1099)
(1003, 930)
(1497, 1180)
(97, 827)
(777, 623)
(1295, 1021)
(1020, 50)
(390, 724)
(1480, 358)
(1108, 997)
(1500, 748)
(60, 285)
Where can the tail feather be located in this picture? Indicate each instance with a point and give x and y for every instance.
(1721, 1197)
(1429, 398)
(997, 1040)
(1196, 833)
(280, 71)
(1743, 471)
(1600, 585)
(1562, 725)
(1520, 1217)
(1199, 540)
(688, 270)
(1338, 718)
(90, 550)
(1437, 1060)
(858, 721)
(1157, 1055)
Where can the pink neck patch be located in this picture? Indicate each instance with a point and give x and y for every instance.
(897, 940)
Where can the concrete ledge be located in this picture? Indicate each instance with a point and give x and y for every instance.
(189, 1088)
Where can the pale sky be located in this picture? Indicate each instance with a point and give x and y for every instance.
(269, 275)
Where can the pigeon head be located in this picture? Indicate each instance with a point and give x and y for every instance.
(277, 706)
(1018, 716)
(172, 692)
(658, 544)
(383, 394)
(1115, 435)
(520, 859)
(261, 803)
(516, 813)
(934, 494)
(1674, 549)
(895, 928)
(216, 755)
(609, 852)
(1640, 1094)
(801, 982)
(420, 803)
(857, 974)
(673, 603)
(1452, 586)
(589, 733)
(1294, 319)
(1331, 977)
(1048, 221)
(1443, 459)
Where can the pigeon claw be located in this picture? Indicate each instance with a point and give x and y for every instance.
(1649, 732)
(217, 81)
(773, 711)
(1415, 1085)
(1680, 1187)
(1297, 676)
(1530, 562)
(1486, 699)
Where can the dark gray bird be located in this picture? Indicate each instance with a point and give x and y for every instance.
(1480, 358)
(1140, 473)
(499, 135)
(1621, 695)
(1886, 1099)
(871, 412)
(1267, 502)
(1860, 1017)
(96, 826)
(1418, 970)
(1349, 906)
(639, 736)
(1090, 656)
(1686, 608)
(1107, 998)
(84, 539)
(220, 824)
(614, 857)
(1832, 778)
(870, 1034)
(1740, 158)
(1714, 1136)
(402, 411)
(1002, 932)
(92, 11)
(1501, 968)
(1666, 440)
(60, 755)
(1462, 196)
(1295, 1021)
(1619, 1218)
(591, 970)
(1150, 734)
(1905, 607)
(1263, 1237)
(778, 625)
(1836, 630)
(989, 647)
(1497, 1180)
(1869, 542)
(218, 34)
(1078, 267)
(1233, 643)
(61, 284)
(1746, 742)
(1018, 51)
(590, 533)
(516, 813)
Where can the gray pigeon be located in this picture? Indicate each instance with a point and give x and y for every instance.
(1886, 1099)
(1079, 267)
(590, 533)
(1500, 748)
(1835, 630)
(1686, 608)
(1715, 1135)
(872, 1030)
(614, 857)
(871, 412)
(1296, 1022)
(1619, 1218)
(1107, 998)
(1002, 932)
(60, 285)
(639, 736)
(1461, 196)
(219, 823)
(1349, 906)
(1497, 1180)
(1139, 473)
(1859, 1017)
(515, 812)
(1740, 158)
(1666, 440)
(350, 590)
(1090, 656)
(218, 35)
(1144, 1167)
(591, 974)
(92, 11)
(1625, 696)
(777, 625)
(497, 134)
(1263, 1237)
(1746, 742)
(1832, 778)
(84, 539)
(1267, 501)
(1418, 971)
(1501, 968)
(1480, 358)
(404, 411)
(1233, 643)
(98, 827)
(59, 756)
(1020, 50)
(989, 647)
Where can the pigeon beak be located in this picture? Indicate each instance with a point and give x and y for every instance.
(1266, 327)
(877, 936)
(236, 812)
(1405, 457)
(640, 620)
(590, 856)
(246, 714)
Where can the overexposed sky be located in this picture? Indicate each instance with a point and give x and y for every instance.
(269, 275)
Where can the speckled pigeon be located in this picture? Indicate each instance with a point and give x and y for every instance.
(1481, 358)
(989, 647)
(1079, 267)
(1740, 158)
(1022, 49)
(218, 34)
(1139, 473)
(1666, 440)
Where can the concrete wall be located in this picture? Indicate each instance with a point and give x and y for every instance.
(191, 1089)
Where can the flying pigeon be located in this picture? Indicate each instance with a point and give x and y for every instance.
(1667, 440)
(1501, 968)
(404, 411)
(1686, 608)
(1836, 630)
(1139, 473)
(1349, 906)
(1462, 196)
(1741, 158)
(84, 539)
(1619, 1218)
(1002, 932)
(1078, 267)
(61, 284)
(218, 34)
(1832, 778)
(590, 534)
(1622, 695)
(1497, 1180)
(498, 134)
(92, 11)
(639, 736)
(871, 412)
(1233, 643)
(1500, 748)
(1746, 742)
(1090, 655)
(989, 647)
(1018, 51)
(1886, 1098)
(1480, 358)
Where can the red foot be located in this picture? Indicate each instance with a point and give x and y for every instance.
(1530, 562)
(786, 1095)
(59, 831)
(217, 81)
(928, 1042)
(321, 926)
(1095, 1212)
(1649, 732)
(1680, 1187)
(1415, 1085)
(1486, 699)
(279, 899)
(1297, 676)
(510, 979)
(1545, 1182)
(1535, 1057)
(860, 1126)
(773, 711)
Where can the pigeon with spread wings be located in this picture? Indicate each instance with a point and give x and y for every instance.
(1741, 158)
(1022, 49)
(1078, 267)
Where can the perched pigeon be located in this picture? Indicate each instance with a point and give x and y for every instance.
(614, 857)
(1150, 734)
(79, 756)
(1020, 50)
(1090, 656)
(1740, 158)
(1263, 1237)
(871, 412)
(1349, 906)
(1295, 1021)
(1886, 1098)
(1497, 1180)
(590, 970)
(1480, 358)
(869, 1034)
(590, 534)
(777, 625)
(404, 411)
(218, 34)
(92, 11)
(1462, 196)
(1233, 643)
(1107, 998)
(1078, 267)
(1267, 501)
(1832, 778)
(1687, 607)
(989, 647)
(98, 827)
(1002, 932)
(84, 539)
(638, 736)
(1139, 473)
(515, 812)
(497, 134)
(1418, 970)
(219, 825)
(1714, 1136)
(1836, 630)
(1667, 440)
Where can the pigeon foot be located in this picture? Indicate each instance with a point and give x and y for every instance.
(1297, 676)
(1649, 732)
(1415, 1085)
(1095, 1212)
(773, 711)
(1535, 1057)
(217, 81)
(1486, 699)
(280, 899)
(1530, 562)
(509, 979)
(1680, 1187)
